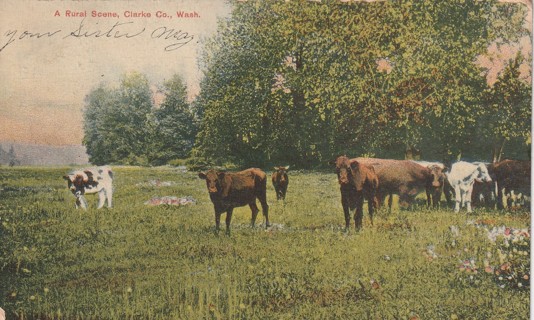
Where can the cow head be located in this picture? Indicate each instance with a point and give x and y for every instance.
(281, 173)
(482, 173)
(438, 176)
(213, 180)
(77, 181)
(343, 170)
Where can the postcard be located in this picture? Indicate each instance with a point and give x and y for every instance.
(246, 159)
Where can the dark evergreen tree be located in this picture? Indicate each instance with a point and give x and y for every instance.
(174, 128)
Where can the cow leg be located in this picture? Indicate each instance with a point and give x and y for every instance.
(255, 211)
(448, 190)
(284, 191)
(358, 214)
(429, 197)
(217, 221)
(264, 207)
(228, 220)
(277, 191)
(500, 198)
(468, 193)
(371, 203)
(346, 210)
(458, 198)
(510, 199)
(101, 198)
(390, 202)
(109, 193)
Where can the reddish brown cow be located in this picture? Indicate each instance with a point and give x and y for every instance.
(356, 181)
(511, 175)
(280, 182)
(403, 177)
(230, 190)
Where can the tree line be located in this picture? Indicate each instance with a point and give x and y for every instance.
(299, 82)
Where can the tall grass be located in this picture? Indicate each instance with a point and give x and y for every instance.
(140, 262)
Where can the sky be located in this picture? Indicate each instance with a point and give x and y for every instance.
(53, 53)
(52, 56)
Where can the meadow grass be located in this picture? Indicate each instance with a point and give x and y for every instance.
(136, 261)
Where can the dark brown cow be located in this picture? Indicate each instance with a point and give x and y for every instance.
(435, 188)
(511, 175)
(403, 177)
(483, 194)
(230, 190)
(280, 182)
(356, 181)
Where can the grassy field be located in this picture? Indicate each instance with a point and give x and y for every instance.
(136, 261)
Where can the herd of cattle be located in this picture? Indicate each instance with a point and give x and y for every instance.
(360, 179)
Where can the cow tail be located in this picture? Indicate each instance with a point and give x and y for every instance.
(110, 173)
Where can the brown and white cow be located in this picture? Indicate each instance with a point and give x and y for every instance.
(280, 182)
(230, 190)
(92, 180)
(356, 182)
(403, 177)
(511, 175)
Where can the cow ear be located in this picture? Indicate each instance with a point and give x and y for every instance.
(202, 175)
(220, 175)
(354, 164)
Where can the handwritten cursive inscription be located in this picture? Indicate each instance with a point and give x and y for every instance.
(11, 36)
(173, 38)
(180, 37)
(113, 32)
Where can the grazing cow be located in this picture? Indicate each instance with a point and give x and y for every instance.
(403, 177)
(93, 180)
(511, 176)
(462, 178)
(356, 181)
(280, 182)
(483, 194)
(229, 190)
(434, 189)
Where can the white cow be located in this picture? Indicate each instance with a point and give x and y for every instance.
(93, 180)
(462, 178)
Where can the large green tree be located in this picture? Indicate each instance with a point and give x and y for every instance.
(301, 81)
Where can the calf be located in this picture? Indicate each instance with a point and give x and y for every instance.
(93, 180)
(435, 188)
(230, 190)
(462, 178)
(403, 177)
(280, 182)
(356, 181)
(511, 176)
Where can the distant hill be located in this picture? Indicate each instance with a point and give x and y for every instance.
(41, 155)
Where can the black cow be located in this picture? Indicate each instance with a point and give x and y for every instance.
(280, 182)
